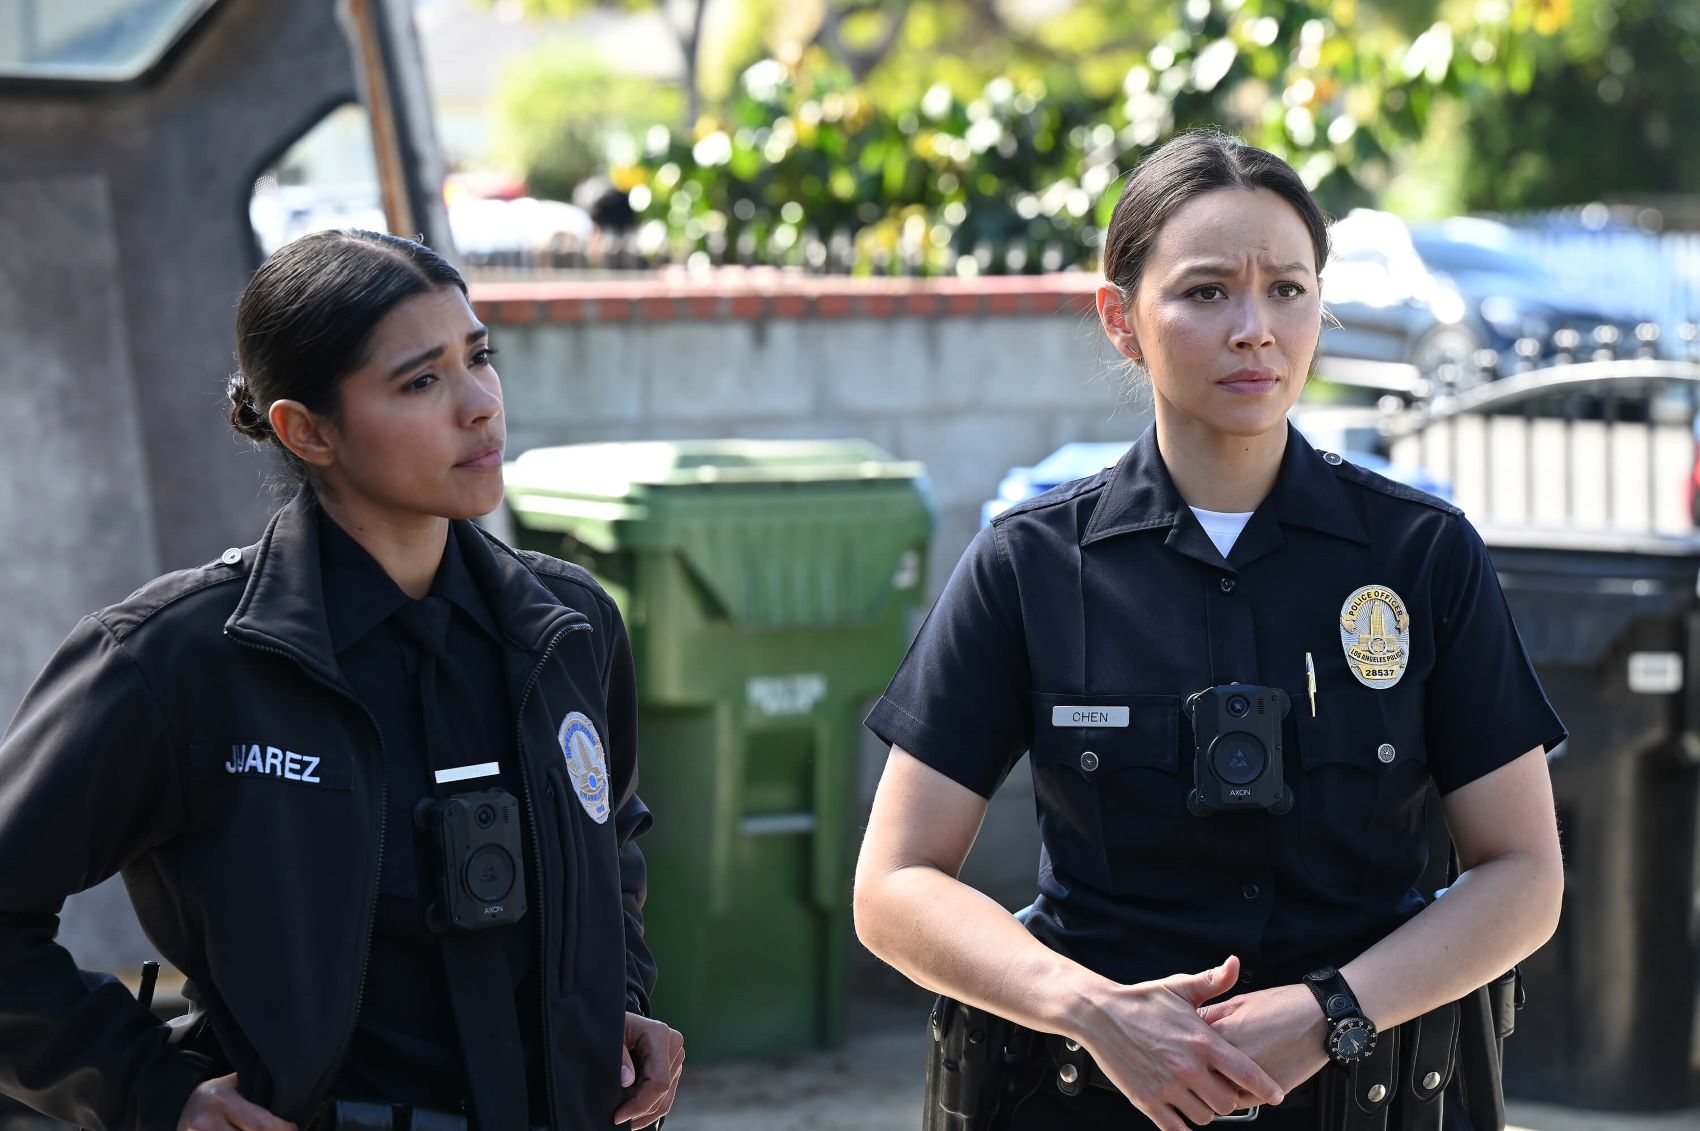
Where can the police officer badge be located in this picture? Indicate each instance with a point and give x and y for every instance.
(587, 765)
(1375, 632)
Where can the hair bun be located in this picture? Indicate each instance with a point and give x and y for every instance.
(244, 414)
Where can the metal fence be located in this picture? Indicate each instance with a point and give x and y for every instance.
(1582, 447)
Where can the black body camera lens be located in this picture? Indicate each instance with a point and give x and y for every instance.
(1238, 705)
(490, 873)
(1237, 757)
(485, 817)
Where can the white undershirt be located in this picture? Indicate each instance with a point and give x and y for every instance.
(1223, 526)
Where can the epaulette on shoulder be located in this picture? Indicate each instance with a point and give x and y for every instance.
(550, 566)
(1061, 493)
(1392, 488)
(170, 588)
(546, 565)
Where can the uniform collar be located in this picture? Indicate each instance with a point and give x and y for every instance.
(359, 595)
(283, 605)
(1140, 496)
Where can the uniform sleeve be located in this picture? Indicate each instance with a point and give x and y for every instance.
(1485, 707)
(631, 818)
(87, 782)
(960, 700)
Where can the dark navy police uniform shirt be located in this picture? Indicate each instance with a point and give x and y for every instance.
(406, 1047)
(1108, 593)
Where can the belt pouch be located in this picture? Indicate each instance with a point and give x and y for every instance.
(1479, 1058)
(1356, 1097)
(965, 1068)
(1505, 995)
(1428, 1056)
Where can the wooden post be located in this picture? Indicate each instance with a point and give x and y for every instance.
(366, 24)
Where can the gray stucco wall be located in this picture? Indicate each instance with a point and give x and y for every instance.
(971, 396)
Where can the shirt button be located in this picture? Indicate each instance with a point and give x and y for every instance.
(1385, 753)
(1227, 585)
(1250, 893)
(232, 556)
(1331, 457)
(1089, 761)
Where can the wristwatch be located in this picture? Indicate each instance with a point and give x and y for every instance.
(1351, 1035)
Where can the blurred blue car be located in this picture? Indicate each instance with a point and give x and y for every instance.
(1434, 295)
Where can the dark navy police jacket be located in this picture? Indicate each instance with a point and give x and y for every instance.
(260, 885)
(1107, 592)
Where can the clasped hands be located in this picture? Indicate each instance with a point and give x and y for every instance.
(1174, 1056)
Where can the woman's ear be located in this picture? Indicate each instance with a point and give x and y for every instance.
(303, 432)
(1113, 313)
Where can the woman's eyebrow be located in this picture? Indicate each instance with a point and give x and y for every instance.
(1228, 267)
(419, 359)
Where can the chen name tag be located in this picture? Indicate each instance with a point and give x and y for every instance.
(1066, 716)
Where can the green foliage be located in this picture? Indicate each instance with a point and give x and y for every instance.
(1609, 107)
(557, 112)
(1019, 174)
(804, 167)
(965, 128)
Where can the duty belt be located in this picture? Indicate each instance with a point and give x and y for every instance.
(1404, 1077)
(363, 1115)
(1075, 1069)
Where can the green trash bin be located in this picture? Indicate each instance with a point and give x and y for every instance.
(767, 587)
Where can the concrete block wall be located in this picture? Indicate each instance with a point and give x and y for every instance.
(972, 377)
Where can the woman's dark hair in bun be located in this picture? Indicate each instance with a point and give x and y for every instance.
(306, 319)
(244, 416)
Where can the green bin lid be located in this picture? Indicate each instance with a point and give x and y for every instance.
(623, 470)
(782, 532)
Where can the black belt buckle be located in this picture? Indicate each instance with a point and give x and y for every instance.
(358, 1115)
(364, 1115)
(427, 1119)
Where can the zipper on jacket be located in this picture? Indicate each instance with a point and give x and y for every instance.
(320, 1089)
(537, 858)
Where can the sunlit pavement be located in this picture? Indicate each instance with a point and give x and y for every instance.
(873, 1083)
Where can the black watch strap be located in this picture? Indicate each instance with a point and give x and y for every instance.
(1351, 1036)
(1336, 998)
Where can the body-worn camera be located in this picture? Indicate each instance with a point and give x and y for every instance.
(1236, 731)
(478, 861)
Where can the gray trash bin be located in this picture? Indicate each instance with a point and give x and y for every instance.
(1614, 631)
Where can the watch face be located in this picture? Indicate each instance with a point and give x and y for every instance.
(1352, 1040)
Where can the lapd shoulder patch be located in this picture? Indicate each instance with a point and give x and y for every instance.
(587, 764)
(1375, 633)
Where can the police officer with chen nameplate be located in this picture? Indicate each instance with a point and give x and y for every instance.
(370, 781)
(1236, 664)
